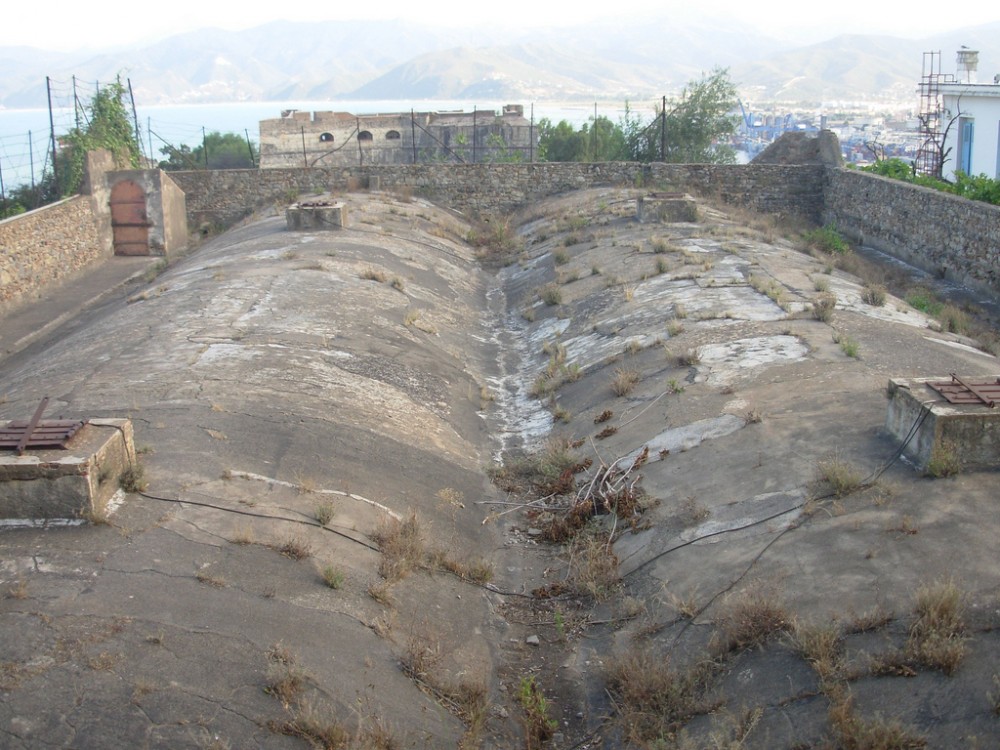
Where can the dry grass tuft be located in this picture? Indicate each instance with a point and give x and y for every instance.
(937, 638)
(654, 701)
(17, 590)
(208, 579)
(749, 619)
(821, 646)
(843, 477)
(401, 544)
(873, 619)
(468, 700)
(624, 381)
(295, 548)
(324, 513)
(823, 306)
(878, 733)
(371, 273)
(593, 566)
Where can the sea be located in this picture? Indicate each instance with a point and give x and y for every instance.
(25, 144)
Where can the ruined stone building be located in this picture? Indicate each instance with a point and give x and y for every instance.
(326, 139)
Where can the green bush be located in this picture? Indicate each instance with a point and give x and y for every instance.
(977, 188)
(827, 239)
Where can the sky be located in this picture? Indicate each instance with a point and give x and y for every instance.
(70, 24)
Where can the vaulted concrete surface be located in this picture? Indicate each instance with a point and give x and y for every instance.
(273, 377)
(356, 376)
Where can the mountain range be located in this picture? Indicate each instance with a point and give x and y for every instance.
(629, 59)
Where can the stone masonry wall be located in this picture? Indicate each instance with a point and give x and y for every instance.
(45, 246)
(222, 197)
(943, 234)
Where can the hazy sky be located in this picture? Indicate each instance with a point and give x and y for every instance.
(65, 24)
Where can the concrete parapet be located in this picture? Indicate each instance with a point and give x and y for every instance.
(967, 434)
(75, 482)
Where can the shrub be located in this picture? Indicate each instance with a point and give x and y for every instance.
(827, 239)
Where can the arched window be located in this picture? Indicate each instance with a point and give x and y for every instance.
(364, 135)
(326, 137)
(392, 135)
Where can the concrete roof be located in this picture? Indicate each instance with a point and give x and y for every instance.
(380, 371)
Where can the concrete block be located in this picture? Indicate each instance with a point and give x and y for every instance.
(75, 482)
(971, 431)
(319, 215)
(666, 208)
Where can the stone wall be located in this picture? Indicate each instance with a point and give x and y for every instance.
(218, 198)
(943, 234)
(45, 246)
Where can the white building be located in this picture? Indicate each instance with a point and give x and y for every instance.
(971, 115)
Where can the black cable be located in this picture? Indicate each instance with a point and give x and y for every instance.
(258, 515)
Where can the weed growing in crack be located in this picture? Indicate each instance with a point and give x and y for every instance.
(538, 725)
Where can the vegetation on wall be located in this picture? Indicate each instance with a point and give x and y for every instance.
(109, 126)
(978, 188)
(685, 130)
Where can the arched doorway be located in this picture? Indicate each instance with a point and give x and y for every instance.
(129, 222)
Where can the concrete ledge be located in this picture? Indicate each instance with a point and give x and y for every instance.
(970, 432)
(318, 215)
(75, 482)
(666, 208)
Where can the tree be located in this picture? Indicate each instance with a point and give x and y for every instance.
(598, 140)
(225, 151)
(109, 126)
(689, 128)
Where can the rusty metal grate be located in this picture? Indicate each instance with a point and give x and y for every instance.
(965, 391)
(36, 432)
